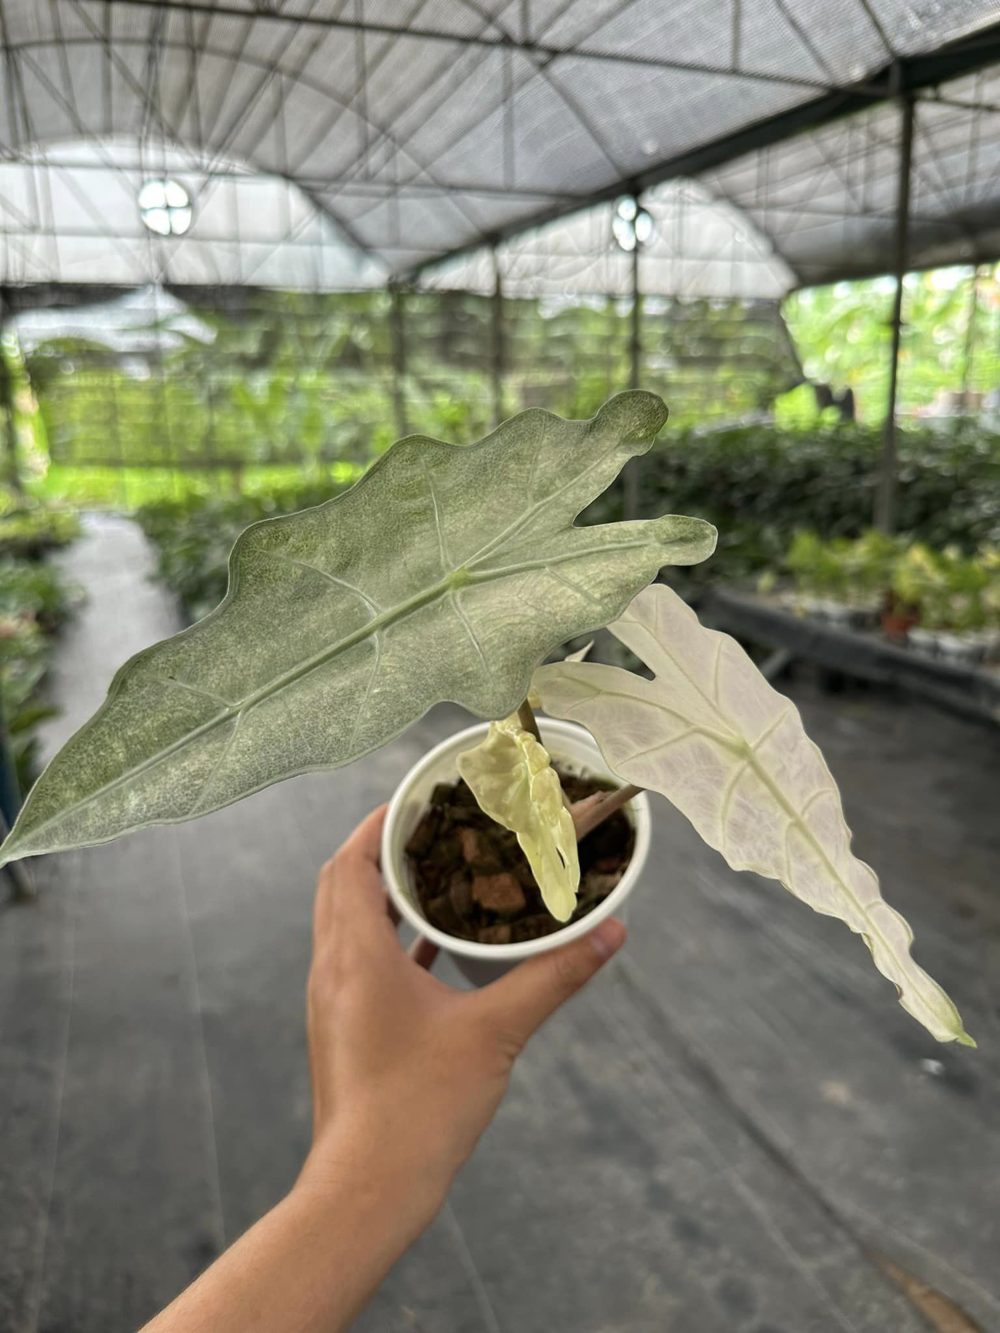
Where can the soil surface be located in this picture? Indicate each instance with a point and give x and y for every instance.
(473, 881)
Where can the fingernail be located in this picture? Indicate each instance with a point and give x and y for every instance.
(608, 938)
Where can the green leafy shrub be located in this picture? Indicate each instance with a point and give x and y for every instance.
(35, 591)
(950, 591)
(759, 485)
(34, 601)
(29, 528)
(947, 589)
(853, 572)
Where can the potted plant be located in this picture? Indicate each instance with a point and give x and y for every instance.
(843, 580)
(956, 600)
(451, 573)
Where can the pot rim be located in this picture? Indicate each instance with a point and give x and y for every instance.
(552, 729)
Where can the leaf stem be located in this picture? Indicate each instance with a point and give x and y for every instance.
(594, 810)
(526, 717)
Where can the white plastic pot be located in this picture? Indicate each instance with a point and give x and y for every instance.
(572, 748)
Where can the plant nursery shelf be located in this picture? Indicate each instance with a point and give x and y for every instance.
(865, 655)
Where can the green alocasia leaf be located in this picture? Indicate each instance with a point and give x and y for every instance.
(711, 735)
(512, 778)
(445, 573)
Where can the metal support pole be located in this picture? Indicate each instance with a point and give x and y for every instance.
(970, 336)
(499, 346)
(10, 471)
(630, 493)
(397, 329)
(635, 325)
(885, 499)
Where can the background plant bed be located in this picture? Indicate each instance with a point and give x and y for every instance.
(473, 881)
(969, 690)
(900, 626)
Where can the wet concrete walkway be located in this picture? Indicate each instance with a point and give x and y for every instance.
(721, 1136)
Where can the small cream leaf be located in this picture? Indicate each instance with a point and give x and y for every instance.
(512, 778)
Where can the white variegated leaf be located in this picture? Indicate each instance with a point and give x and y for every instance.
(711, 735)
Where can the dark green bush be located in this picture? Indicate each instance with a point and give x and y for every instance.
(35, 600)
(759, 484)
(29, 528)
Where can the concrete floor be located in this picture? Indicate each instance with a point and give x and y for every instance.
(722, 1135)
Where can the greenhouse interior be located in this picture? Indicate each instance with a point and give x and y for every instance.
(605, 390)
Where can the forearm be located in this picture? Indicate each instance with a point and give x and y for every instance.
(311, 1264)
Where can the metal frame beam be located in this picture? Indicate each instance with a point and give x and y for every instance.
(885, 498)
(499, 343)
(397, 336)
(543, 52)
(630, 477)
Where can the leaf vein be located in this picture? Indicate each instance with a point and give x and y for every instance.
(192, 689)
(727, 799)
(460, 611)
(337, 582)
(217, 766)
(574, 587)
(500, 540)
(660, 745)
(438, 528)
(362, 709)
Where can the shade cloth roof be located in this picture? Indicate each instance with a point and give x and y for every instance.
(71, 214)
(394, 133)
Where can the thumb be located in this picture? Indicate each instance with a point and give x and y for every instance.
(522, 1000)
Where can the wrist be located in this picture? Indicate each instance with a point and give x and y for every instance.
(385, 1178)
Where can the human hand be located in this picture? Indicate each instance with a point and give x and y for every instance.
(406, 1069)
(406, 1075)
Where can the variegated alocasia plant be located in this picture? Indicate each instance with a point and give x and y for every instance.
(450, 573)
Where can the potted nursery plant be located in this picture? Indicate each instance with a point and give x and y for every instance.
(452, 573)
(844, 580)
(956, 601)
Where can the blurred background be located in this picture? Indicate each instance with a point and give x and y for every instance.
(243, 248)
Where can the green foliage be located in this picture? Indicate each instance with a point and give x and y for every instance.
(35, 591)
(34, 601)
(758, 485)
(798, 410)
(203, 396)
(947, 589)
(843, 336)
(848, 570)
(446, 573)
(29, 528)
(131, 488)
